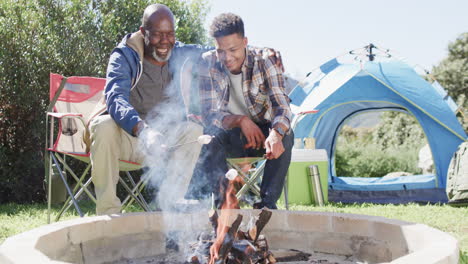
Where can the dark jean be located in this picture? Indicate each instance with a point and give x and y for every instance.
(211, 167)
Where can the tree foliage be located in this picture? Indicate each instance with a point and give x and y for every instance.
(391, 146)
(398, 130)
(69, 37)
(360, 158)
(452, 73)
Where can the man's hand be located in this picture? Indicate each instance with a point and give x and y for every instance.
(151, 142)
(138, 128)
(274, 145)
(252, 133)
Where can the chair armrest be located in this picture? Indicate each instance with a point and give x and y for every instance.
(67, 115)
(62, 115)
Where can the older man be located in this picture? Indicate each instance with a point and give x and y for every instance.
(140, 93)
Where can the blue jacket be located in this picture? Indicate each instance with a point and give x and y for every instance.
(124, 70)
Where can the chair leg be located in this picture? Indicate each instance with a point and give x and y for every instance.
(142, 199)
(137, 188)
(133, 195)
(66, 186)
(91, 196)
(285, 189)
(84, 187)
(68, 203)
(79, 184)
(249, 177)
(250, 182)
(49, 187)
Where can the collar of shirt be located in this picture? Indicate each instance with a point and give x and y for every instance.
(264, 94)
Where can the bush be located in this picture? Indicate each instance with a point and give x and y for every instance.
(368, 160)
(398, 130)
(69, 37)
(452, 74)
(392, 146)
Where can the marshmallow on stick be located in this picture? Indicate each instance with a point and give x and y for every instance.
(204, 139)
(231, 174)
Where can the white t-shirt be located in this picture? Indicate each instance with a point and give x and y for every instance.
(236, 104)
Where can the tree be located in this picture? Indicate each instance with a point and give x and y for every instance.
(69, 37)
(398, 130)
(452, 73)
(391, 146)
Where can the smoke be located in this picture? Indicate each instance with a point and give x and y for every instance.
(170, 143)
(169, 169)
(171, 147)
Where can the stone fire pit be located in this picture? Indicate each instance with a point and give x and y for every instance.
(107, 239)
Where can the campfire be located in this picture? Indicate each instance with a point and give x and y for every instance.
(227, 243)
(293, 236)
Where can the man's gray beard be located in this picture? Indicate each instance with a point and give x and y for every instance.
(153, 53)
(157, 58)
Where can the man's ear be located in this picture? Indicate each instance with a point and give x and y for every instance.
(142, 30)
(246, 41)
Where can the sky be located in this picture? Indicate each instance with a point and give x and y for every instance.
(308, 32)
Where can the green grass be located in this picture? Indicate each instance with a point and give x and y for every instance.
(16, 218)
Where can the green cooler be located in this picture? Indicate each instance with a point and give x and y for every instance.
(301, 184)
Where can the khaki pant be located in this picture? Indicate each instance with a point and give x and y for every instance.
(110, 143)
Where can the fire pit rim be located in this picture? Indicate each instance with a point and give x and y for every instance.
(14, 249)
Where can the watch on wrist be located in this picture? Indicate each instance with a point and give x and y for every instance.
(280, 131)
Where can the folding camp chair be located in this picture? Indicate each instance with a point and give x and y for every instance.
(251, 170)
(73, 102)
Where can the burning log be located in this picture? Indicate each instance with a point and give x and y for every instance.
(242, 249)
(263, 219)
(220, 249)
(292, 255)
(231, 245)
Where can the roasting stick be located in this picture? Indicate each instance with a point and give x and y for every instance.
(202, 140)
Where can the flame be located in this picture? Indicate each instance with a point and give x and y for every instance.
(225, 219)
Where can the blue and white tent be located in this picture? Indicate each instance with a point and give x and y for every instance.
(340, 91)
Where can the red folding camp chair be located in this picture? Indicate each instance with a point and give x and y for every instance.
(74, 101)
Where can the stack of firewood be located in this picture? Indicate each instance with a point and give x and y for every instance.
(231, 245)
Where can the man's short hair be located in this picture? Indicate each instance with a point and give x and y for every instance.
(226, 24)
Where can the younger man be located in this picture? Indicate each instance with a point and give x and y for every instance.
(244, 105)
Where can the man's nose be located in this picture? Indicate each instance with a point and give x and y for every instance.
(163, 38)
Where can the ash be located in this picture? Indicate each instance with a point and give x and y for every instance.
(175, 257)
(171, 257)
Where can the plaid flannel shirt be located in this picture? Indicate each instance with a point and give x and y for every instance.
(262, 85)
